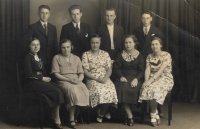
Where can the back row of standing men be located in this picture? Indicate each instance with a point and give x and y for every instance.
(112, 35)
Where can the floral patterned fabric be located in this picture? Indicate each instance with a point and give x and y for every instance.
(97, 66)
(163, 84)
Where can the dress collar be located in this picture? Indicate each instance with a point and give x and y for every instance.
(130, 57)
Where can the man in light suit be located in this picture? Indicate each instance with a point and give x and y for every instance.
(145, 33)
(78, 32)
(46, 33)
(112, 35)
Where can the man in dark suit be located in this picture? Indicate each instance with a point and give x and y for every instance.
(46, 33)
(145, 33)
(112, 35)
(78, 32)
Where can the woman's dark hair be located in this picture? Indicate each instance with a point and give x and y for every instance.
(133, 37)
(32, 39)
(95, 36)
(64, 41)
(157, 38)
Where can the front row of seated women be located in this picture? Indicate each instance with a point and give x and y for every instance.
(96, 65)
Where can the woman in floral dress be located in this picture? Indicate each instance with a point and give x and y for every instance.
(98, 68)
(158, 79)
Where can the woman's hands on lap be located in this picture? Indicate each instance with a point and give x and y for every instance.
(46, 79)
(75, 81)
(123, 79)
(134, 82)
(101, 80)
(147, 83)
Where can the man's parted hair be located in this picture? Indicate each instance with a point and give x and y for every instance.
(110, 9)
(146, 12)
(72, 7)
(43, 6)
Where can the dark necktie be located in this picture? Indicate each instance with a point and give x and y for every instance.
(45, 27)
(77, 29)
(145, 31)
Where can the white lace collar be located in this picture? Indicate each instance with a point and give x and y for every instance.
(130, 57)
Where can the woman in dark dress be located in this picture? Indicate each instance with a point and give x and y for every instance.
(37, 82)
(129, 70)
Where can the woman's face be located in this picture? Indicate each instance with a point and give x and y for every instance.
(129, 44)
(95, 44)
(156, 46)
(34, 46)
(66, 48)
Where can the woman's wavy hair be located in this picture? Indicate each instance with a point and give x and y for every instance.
(133, 37)
(64, 41)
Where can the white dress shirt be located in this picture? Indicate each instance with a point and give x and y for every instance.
(111, 31)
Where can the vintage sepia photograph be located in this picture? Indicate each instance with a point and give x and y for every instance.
(99, 64)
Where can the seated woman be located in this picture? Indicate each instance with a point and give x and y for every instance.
(37, 82)
(97, 68)
(69, 74)
(158, 79)
(129, 70)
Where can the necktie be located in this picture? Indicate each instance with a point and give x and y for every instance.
(145, 31)
(77, 29)
(45, 27)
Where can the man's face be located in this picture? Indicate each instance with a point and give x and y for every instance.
(146, 20)
(110, 17)
(76, 15)
(44, 14)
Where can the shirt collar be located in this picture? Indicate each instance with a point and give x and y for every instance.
(148, 27)
(110, 26)
(43, 23)
(76, 23)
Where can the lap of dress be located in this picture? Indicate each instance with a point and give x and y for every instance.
(101, 93)
(52, 93)
(157, 90)
(126, 93)
(76, 94)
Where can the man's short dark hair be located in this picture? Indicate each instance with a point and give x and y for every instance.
(72, 7)
(146, 12)
(110, 9)
(43, 6)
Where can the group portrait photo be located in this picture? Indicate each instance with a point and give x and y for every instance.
(95, 64)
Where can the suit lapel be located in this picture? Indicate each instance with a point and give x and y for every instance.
(50, 31)
(114, 36)
(40, 28)
(105, 30)
(81, 30)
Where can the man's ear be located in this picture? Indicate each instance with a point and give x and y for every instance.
(115, 16)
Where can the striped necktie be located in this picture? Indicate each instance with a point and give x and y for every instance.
(45, 27)
(77, 29)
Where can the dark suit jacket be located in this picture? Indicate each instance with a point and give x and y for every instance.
(118, 39)
(144, 45)
(80, 42)
(48, 43)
